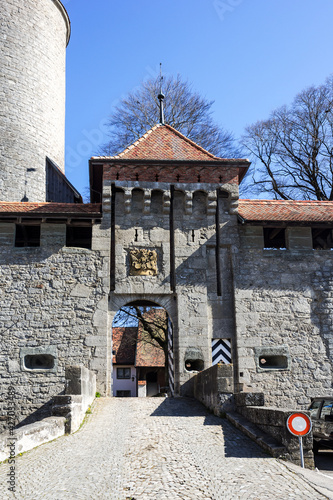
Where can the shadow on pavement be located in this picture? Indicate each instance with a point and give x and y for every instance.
(236, 444)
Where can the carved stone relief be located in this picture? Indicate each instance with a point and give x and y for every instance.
(143, 262)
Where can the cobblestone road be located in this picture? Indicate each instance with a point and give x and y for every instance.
(153, 449)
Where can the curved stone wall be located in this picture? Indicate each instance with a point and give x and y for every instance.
(33, 39)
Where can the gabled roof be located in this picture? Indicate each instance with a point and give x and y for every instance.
(163, 146)
(163, 142)
(286, 211)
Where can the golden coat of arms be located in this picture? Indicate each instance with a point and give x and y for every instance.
(143, 262)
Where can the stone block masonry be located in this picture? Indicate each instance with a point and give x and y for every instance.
(170, 173)
(34, 35)
(283, 301)
(53, 301)
(186, 278)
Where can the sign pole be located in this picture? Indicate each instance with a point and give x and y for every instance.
(299, 424)
(301, 450)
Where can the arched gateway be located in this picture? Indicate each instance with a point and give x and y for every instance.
(164, 202)
(142, 350)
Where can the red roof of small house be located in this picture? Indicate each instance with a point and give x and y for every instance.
(28, 208)
(124, 345)
(149, 355)
(293, 211)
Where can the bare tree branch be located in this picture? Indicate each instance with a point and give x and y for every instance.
(185, 110)
(293, 150)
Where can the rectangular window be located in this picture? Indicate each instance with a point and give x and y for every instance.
(123, 373)
(269, 358)
(27, 235)
(322, 239)
(274, 237)
(123, 394)
(314, 409)
(273, 362)
(326, 409)
(79, 236)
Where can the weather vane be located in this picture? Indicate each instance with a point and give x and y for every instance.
(161, 97)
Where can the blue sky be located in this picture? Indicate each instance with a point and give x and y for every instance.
(249, 56)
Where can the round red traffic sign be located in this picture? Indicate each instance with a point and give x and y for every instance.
(299, 424)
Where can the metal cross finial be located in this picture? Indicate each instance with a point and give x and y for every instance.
(161, 97)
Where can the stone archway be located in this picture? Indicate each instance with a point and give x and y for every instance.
(142, 350)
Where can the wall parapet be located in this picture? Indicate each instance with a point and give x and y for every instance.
(79, 394)
(68, 412)
(272, 421)
(213, 387)
(30, 436)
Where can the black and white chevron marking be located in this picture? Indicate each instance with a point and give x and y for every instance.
(170, 359)
(221, 351)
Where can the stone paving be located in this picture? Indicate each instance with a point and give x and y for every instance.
(153, 448)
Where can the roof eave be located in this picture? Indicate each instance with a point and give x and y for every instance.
(238, 162)
(283, 223)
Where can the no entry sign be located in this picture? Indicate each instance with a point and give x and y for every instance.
(299, 424)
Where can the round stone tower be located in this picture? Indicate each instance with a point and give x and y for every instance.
(33, 39)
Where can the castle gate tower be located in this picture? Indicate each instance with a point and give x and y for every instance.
(172, 212)
(34, 35)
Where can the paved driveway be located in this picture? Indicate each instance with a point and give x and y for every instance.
(154, 449)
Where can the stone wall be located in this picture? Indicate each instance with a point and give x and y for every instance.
(53, 313)
(149, 216)
(29, 436)
(283, 302)
(273, 421)
(80, 392)
(214, 388)
(34, 35)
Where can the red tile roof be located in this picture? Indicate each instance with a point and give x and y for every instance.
(149, 355)
(163, 142)
(50, 208)
(286, 211)
(124, 345)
